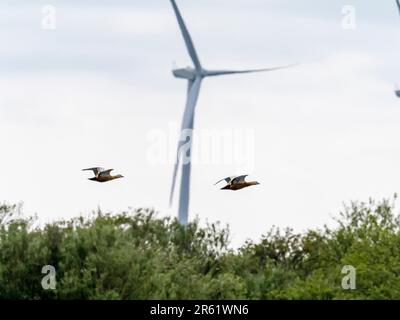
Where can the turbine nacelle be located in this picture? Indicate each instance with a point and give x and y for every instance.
(187, 73)
(397, 90)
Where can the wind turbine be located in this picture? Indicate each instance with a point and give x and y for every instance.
(194, 76)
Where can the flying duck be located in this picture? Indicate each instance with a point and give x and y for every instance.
(237, 182)
(102, 175)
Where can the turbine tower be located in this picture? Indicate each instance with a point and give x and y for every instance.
(194, 76)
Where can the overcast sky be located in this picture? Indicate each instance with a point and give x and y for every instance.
(98, 88)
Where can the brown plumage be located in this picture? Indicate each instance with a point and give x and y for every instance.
(237, 182)
(102, 175)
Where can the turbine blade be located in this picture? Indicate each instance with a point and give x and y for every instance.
(187, 123)
(186, 36)
(398, 4)
(214, 73)
(171, 194)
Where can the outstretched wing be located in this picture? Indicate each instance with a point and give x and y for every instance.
(227, 180)
(96, 170)
(186, 36)
(240, 179)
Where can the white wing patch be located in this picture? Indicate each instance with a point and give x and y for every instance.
(96, 170)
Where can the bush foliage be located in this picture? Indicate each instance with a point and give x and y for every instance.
(135, 255)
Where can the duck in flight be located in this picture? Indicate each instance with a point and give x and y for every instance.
(102, 175)
(237, 182)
